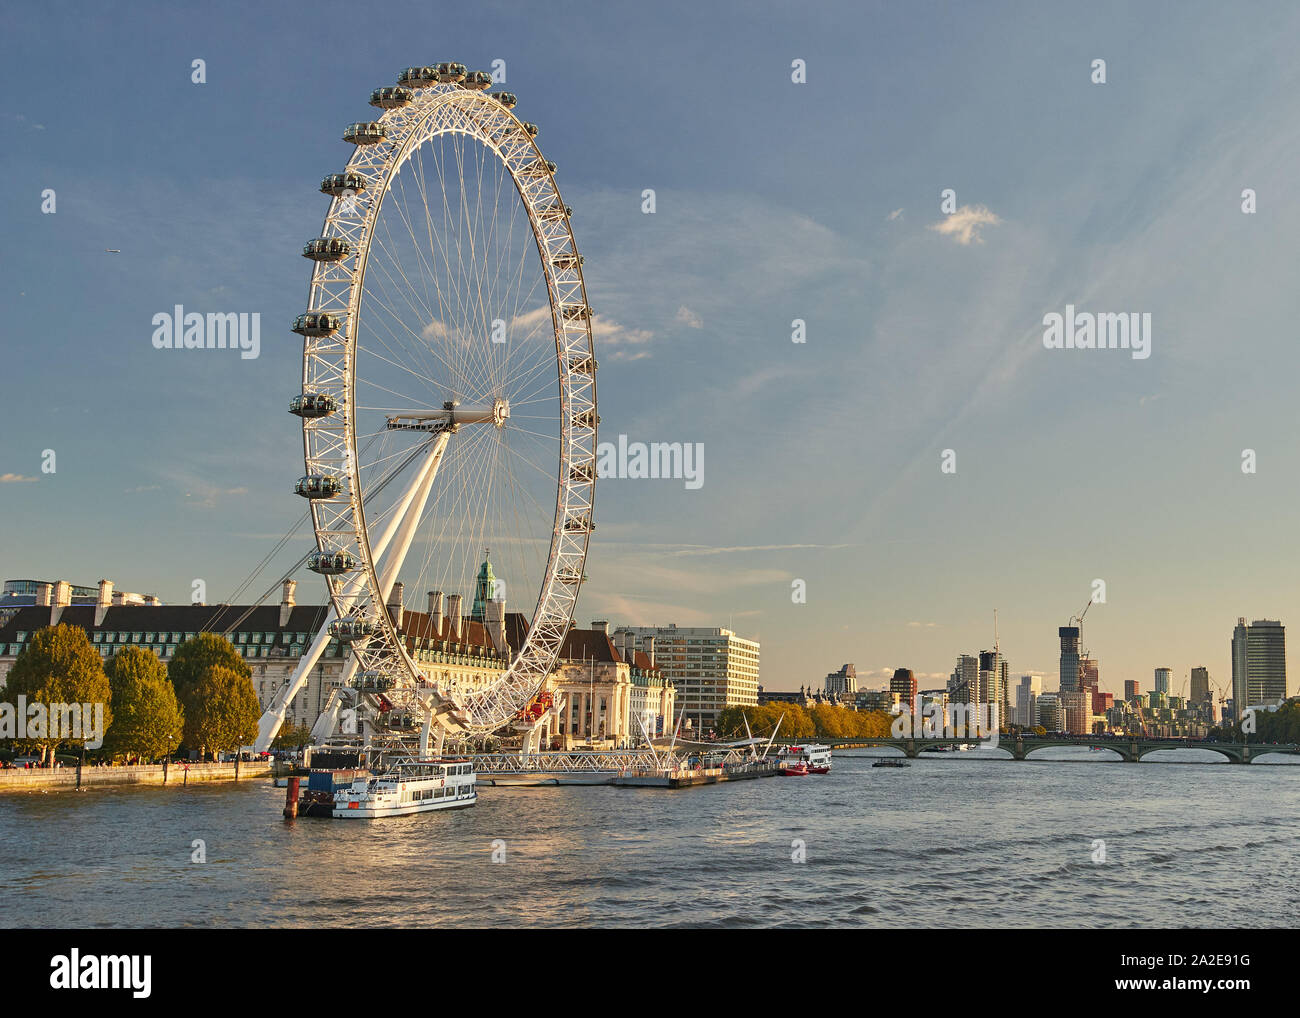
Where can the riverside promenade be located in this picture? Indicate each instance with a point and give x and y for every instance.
(65, 779)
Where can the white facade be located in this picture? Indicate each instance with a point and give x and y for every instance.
(712, 668)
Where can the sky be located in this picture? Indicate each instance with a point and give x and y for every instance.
(775, 200)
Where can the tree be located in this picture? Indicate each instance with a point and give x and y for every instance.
(221, 711)
(293, 737)
(191, 662)
(147, 718)
(58, 666)
(194, 657)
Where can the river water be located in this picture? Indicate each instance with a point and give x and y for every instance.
(955, 841)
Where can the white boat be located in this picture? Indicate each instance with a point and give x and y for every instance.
(409, 786)
(816, 758)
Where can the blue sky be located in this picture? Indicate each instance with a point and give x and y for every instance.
(775, 201)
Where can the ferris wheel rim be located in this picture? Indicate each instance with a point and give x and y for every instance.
(418, 125)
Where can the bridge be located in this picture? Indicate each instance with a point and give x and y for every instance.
(1130, 749)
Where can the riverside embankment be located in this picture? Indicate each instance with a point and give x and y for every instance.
(63, 779)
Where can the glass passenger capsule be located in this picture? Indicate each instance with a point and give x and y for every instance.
(326, 249)
(318, 486)
(331, 563)
(418, 77)
(586, 419)
(365, 132)
(337, 184)
(317, 323)
(477, 80)
(583, 365)
(350, 628)
(373, 682)
(579, 525)
(313, 404)
(538, 168)
(582, 472)
(568, 260)
(554, 211)
(391, 98)
(575, 312)
(452, 73)
(506, 99)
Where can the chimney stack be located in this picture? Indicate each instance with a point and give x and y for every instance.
(60, 598)
(395, 610)
(453, 616)
(287, 601)
(601, 627)
(648, 645)
(103, 602)
(45, 594)
(435, 613)
(495, 617)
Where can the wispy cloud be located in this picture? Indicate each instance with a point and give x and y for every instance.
(685, 316)
(622, 340)
(965, 224)
(14, 479)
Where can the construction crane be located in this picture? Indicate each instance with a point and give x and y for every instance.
(1083, 654)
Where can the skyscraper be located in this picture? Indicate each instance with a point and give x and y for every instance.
(1027, 693)
(1200, 692)
(964, 684)
(990, 678)
(904, 684)
(1162, 681)
(1131, 689)
(1089, 673)
(1258, 663)
(1069, 658)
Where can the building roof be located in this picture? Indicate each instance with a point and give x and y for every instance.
(178, 618)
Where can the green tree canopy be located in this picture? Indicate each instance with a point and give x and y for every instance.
(292, 737)
(147, 718)
(59, 666)
(194, 657)
(221, 712)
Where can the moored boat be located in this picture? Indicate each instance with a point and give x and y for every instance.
(816, 758)
(794, 770)
(409, 786)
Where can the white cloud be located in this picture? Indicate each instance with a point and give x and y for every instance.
(964, 224)
(685, 316)
(610, 335)
(14, 478)
(896, 214)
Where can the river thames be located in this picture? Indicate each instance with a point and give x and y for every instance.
(945, 843)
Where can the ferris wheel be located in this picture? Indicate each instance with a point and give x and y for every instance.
(448, 396)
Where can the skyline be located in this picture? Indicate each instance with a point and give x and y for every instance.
(924, 330)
